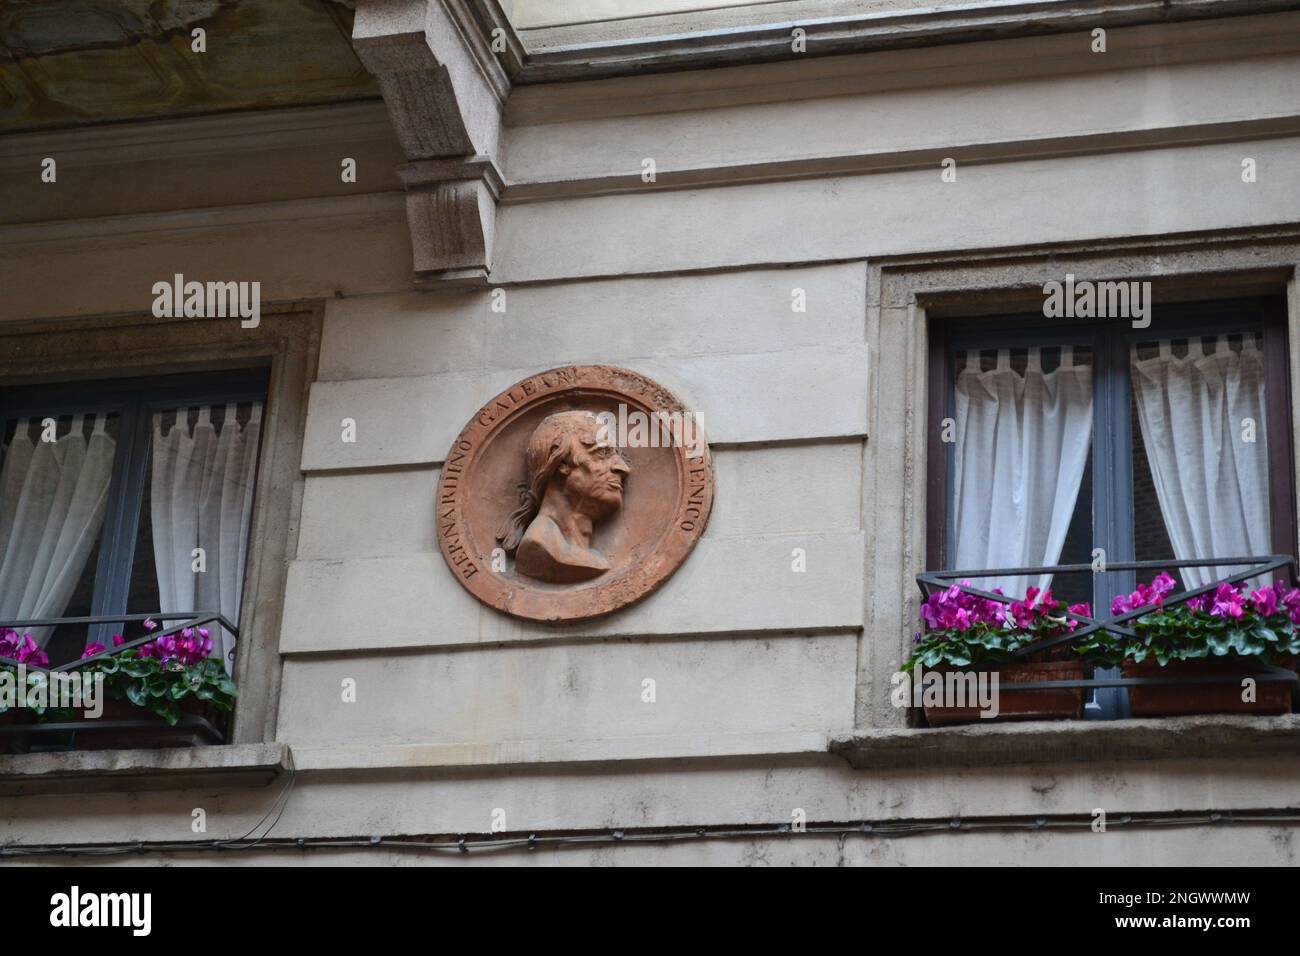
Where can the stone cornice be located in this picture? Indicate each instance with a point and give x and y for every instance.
(447, 69)
(186, 137)
(541, 60)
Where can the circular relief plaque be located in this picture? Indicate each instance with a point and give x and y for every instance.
(574, 493)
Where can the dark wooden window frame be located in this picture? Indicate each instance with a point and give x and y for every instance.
(1112, 443)
(104, 349)
(134, 401)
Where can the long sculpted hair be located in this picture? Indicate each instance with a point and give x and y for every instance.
(552, 443)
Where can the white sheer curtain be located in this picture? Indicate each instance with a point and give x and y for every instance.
(1022, 445)
(52, 500)
(1211, 483)
(201, 496)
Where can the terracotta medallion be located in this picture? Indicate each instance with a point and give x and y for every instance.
(573, 493)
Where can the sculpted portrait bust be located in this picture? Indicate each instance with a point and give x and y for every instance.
(558, 501)
(575, 479)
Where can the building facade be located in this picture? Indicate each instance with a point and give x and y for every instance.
(787, 214)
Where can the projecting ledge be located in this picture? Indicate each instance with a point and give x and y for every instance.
(532, 753)
(92, 771)
(1071, 741)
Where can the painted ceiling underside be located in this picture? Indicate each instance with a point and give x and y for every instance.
(76, 62)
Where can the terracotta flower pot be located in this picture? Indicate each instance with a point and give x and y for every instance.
(1170, 700)
(1063, 704)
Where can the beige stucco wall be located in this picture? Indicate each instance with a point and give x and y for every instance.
(461, 711)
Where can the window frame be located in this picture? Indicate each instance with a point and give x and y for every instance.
(1112, 471)
(104, 348)
(135, 401)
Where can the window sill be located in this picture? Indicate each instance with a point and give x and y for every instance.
(90, 771)
(1070, 741)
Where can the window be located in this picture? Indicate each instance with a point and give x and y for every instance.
(127, 497)
(1066, 436)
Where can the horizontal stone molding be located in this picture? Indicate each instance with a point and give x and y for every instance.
(805, 393)
(189, 137)
(810, 78)
(736, 584)
(867, 163)
(994, 744)
(739, 311)
(183, 768)
(1154, 106)
(548, 58)
(779, 489)
(617, 320)
(965, 747)
(518, 753)
(339, 246)
(801, 683)
(1179, 189)
(341, 210)
(758, 790)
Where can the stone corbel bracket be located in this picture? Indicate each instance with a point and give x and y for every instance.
(445, 93)
(451, 211)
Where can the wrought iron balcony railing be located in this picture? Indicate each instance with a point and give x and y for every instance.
(1255, 566)
(195, 723)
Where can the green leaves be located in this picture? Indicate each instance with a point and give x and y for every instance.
(1222, 642)
(1168, 633)
(1180, 634)
(137, 694)
(161, 688)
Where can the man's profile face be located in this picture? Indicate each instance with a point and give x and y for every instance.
(595, 474)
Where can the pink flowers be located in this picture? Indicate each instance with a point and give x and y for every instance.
(1225, 601)
(1036, 605)
(954, 609)
(1265, 601)
(1083, 609)
(190, 647)
(22, 648)
(1228, 602)
(1145, 595)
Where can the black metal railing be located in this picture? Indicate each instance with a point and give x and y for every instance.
(929, 581)
(195, 723)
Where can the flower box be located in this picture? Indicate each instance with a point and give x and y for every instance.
(1170, 700)
(157, 684)
(967, 634)
(1228, 632)
(1063, 704)
(91, 734)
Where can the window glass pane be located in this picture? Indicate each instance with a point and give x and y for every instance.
(54, 484)
(1150, 539)
(1022, 465)
(191, 547)
(1200, 455)
(1077, 588)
